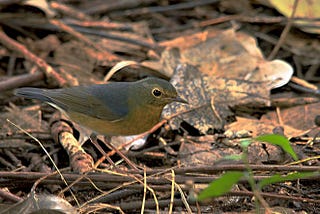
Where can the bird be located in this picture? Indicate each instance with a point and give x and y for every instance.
(111, 109)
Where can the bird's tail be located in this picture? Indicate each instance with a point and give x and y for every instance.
(32, 93)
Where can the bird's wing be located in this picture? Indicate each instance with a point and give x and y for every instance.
(99, 101)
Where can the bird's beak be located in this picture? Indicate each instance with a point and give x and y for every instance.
(180, 100)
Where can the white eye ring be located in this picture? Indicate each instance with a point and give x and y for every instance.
(156, 92)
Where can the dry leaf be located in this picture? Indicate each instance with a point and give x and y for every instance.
(41, 5)
(210, 99)
(197, 154)
(260, 127)
(305, 9)
(227, 54)
(298, 117)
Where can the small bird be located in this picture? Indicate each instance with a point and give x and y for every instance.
(113, 109)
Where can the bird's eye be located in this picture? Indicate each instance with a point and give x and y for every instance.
(156, 92)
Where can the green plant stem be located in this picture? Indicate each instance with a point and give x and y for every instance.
(252, 183)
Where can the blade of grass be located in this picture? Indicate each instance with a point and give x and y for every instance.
(221, 185)
(283, 178)
(278, 140)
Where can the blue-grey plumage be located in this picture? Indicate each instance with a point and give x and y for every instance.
(117, 108)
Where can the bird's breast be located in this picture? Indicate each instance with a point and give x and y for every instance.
(136, 122)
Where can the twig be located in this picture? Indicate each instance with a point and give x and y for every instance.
(4, 194)
(102, 7)
(62, 133)
(74, 33)
(158, 9)
(241, 18)
(17, 47)
(20, 80)
(69, 11)
(284, 32)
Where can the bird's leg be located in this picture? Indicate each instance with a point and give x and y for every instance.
(94, 140)
(110, 146)
(106, 141)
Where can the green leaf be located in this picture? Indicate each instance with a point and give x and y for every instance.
(245, 143)
(221, 185)
(278, 140)
(283, 178)
(233, 157)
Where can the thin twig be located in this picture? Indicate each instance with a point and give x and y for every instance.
(284, 32)
(17, 47)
